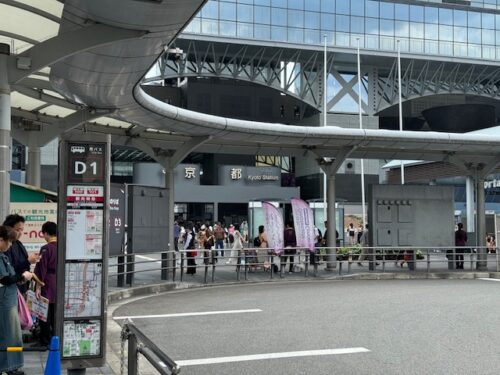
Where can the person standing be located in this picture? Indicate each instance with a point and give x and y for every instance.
(236, 252)
(177, 232)
(363, 241)
(46, 271)
(351, 233)
(460, 242)
(189, 247)
(219, 236)
(290, 242)
(10, 327)
(17, 254)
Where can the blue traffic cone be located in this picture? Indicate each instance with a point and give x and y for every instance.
(53, 365)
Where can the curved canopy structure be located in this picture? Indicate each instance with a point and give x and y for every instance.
(87, 66)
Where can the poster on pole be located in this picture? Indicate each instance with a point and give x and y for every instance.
(84, 224)
(304, 223)
(82, 289)
(82, 338)
(274, 227)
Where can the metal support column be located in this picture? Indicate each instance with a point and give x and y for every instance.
(33, 169)
(469, 197)
(331, 225)
(5, 128)
(166, 258)
(482, 256)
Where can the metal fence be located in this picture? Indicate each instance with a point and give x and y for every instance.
(258, 263)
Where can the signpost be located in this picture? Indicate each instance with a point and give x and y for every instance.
(82, 253)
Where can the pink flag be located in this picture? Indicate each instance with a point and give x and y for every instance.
(303, 223)
(274, 227)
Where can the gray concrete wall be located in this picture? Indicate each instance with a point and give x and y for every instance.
(411, 215)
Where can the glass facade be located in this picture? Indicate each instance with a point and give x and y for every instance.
(421, 27)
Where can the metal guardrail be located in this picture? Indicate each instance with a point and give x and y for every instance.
(140, 344)
(342, 260)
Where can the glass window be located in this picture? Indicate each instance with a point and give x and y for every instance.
(279, 4)
(416, 30)
(262, 15)
(488, 21)
(342, 7)
(446, 33)
(488, 36)
(312, 20)
(416, 13)
(244, 30)
(210, 10)
(295, 35)
(371, 41)
(209, 27)
(446, 48)
(262, 2)
(497, 19)
(328, 6)
(431, 15)
(342, 23)
(295, 18)
(387, 10)
(228, 12)
(262, 32)
(460, 49)
(327, 21)
(474, 50)
(314, 5)
(402, 29)
(194, 26)
(244, 2)
(402, 12)
(474, 19)
(312, 36)
(445, 16)
(245, 13)
(357, 25)
(460, 34)
(227, 28)
(417, 45)
(459, 17)
(371, 26)
(278, 33)
(474, 35)
(278, 16)
(386, 27)
(357, 8)
(372, 8)
(296, 4)
(431, 32)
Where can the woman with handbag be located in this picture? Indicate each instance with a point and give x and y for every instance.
(10, 328)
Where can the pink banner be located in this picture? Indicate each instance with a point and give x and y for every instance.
(274, 227)
(303, 223)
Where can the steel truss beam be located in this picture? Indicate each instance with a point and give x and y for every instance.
(297, 73)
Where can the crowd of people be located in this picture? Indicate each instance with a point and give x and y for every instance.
(17, 270)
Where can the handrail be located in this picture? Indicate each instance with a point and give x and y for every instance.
(138, 342)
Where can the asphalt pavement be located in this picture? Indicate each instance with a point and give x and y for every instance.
(327, 327)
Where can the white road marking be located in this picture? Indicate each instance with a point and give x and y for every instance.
(148, 258)
(258, 357)
(486, 279)
(188, 314)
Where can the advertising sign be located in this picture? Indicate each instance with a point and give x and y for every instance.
(116, 219)
(35, 215)
(274, 227)
(304, 223)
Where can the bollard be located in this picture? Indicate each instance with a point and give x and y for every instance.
(53, 365)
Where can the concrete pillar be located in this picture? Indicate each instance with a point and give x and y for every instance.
(33, 169)
(331, 227)
(5, 137)
(481, 226)
(216, 212)
(469, 199)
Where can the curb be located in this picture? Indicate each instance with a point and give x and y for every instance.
(138, 291)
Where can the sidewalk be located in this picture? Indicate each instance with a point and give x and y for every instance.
(34, 364)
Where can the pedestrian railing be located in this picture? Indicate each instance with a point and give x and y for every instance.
(247, 263)
(140, 345)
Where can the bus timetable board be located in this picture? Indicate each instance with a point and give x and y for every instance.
(83, 252)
